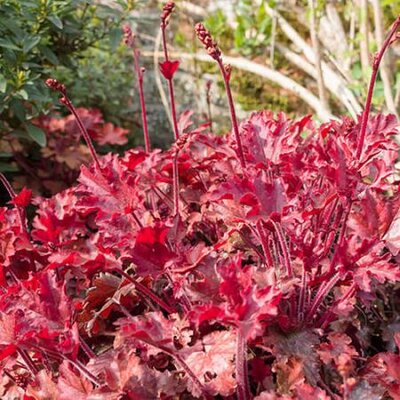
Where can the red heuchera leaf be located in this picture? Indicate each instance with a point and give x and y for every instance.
(23, 198)
(307, 392)
(298, 346)
(269, 139)
(7, 351)
(168, 68)
(125, 372)
(383, 369)
(153, 329)
(44, 388)
(248, 199)
(185, 120)
(392, 236)
(339, 351)
(374, 216)
(151, 253)
(247, 307)
(215, 364)
(265, 269)
(73, 386)
(111, 134)
(91, 119)
(377, 266)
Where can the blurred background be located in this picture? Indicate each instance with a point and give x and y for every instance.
(298, 57)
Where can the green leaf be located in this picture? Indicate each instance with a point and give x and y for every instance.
(29, 43)
(7, 167)
(55, 21)
(3, 84)
(36, 134)
(49, 54)
(3, 154)
(23, 94)
(8, 45)
(115, 37)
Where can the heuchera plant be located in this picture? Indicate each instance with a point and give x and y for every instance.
(244, 266)
(60, 160)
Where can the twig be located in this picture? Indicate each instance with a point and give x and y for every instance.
(343, 92)
(267, 73)
(317, 56)
(364, 43)
(273, 41)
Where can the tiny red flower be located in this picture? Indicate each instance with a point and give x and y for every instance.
(23, 198)
(168, 68)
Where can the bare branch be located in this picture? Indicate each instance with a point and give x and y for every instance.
(273, 41)
(334, 85)
(345, 95)
(267, 73)
(332, 36)
(352, 36)
(193, 9)
(364, 31)
(317, 55)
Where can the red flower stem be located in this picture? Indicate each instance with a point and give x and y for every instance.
(208, 100)
(178, 358)
(275, 255)
(264, 244)
(328, 316)
(249, 243)
(5, 372)
(327, 218)
(175, 173)
(243, 392)
(85, 347)
(163, 197)
(28, 361)
(340, 241)
(83, 130)
(170, 87)
(302, 296)
(137, 220)
(330, 234)
(341, 214)
(323, 291)
(191, 375)
(139, 77)
(235, 126)
(7, 185)
(144, 291)
(79, 366)
(375, 67)
(185, 301)
(12, 194)
(76, 363)
(173, 110)
(164, 42)
(284, 248)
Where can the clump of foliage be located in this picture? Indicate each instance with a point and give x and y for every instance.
(42, 36)
(226, 265)
(60, 160)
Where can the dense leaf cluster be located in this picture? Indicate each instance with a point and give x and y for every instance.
(253, 283)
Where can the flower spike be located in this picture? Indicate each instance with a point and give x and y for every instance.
(129, 39)
(167, 11)
(214, 51)
(59, 87)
